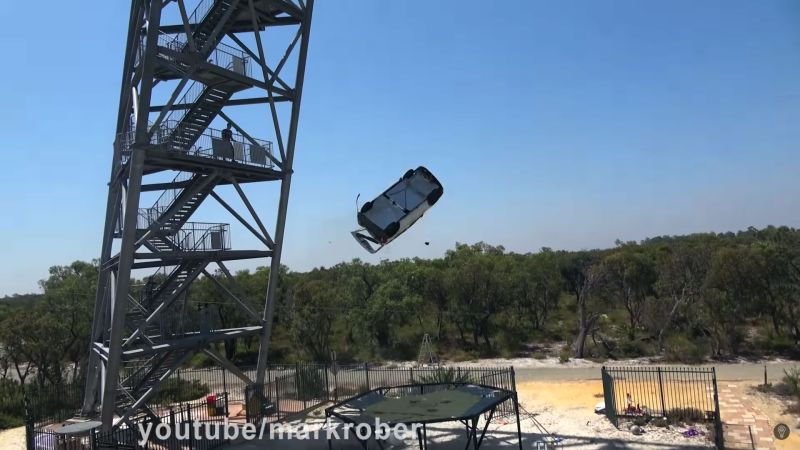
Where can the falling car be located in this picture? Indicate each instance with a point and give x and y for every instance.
(393, 212)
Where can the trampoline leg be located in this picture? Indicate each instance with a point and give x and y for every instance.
(485, 427)
(519, 428)
(475, 433)
(420, 439)
(327, 431)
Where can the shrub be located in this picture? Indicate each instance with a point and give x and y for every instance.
(9, 421)
(660, 422)
(791, 378)
(633, 349)
(175, 390)
(684, 415)
(310, 383)
(539, 355)
(780, 345)
(564, 355)
(679, 348)
(446, 376)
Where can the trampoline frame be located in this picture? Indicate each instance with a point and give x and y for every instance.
(470, 421)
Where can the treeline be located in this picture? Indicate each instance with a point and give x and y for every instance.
(686, 298)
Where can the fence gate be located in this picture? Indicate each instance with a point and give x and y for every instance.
(678, 394)
(608, 398)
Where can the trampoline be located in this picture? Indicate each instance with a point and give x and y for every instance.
(423, 404)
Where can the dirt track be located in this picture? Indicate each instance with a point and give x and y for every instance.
(738, 371)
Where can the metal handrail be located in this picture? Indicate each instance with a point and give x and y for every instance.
(243, 150)
(222, 55)
(199, 236)
(189, 97)
(148, 216)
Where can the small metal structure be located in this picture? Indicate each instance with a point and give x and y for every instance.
(178, 81)
(426, 354)
(394, 211)
(424, 404)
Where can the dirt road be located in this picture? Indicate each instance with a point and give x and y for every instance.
(727, 372)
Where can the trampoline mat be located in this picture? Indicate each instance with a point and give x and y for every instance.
(438, 405)
(421, 408)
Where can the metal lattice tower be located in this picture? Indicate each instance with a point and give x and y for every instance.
(215, 60)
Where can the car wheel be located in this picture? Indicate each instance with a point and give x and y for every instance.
(392, 229)
(366, 207)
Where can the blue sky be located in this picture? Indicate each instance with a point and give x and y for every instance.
(560, 124)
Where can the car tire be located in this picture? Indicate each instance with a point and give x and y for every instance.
(434, 195)
(366, 207)
(392, 229)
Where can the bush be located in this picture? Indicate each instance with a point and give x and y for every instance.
(564, 355)
(447, 375)
(791, 378)
(9, 421)
(684, 415)
(633, 349)
(660, 422)
(310, 383)
(175, 390)
(679, 348)
(780, 345)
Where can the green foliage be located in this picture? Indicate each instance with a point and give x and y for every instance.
(564, 355)
(690, 297)
(175, 390)
(310, 383)
(9, 421)
(12, 404)
(791, 378)
(660, 422)
(689, 416)
(681, 349)
(633, 349)
(446, 376)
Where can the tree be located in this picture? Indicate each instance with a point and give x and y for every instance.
(478, 283)
(733, 284)
(582, 277)
(314, 310)
(682, 270)
(631, 274)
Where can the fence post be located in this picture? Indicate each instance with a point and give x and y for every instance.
(411, 370)
(277, 399)
(609, 397)
(661, 392)
(366, 375)
(189, 422)
(224, 381)
(29, 444)
(718, 434)
(93, 439)
(513, 380)
(327, 383)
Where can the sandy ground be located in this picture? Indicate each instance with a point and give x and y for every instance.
(561, 398)
(13, 439)
(779, 410)
(564, 409)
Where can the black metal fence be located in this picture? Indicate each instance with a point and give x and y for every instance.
(180, 420)
(296, 389)
(678, 394)
(288, 390)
